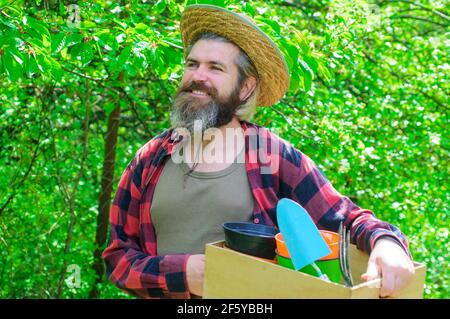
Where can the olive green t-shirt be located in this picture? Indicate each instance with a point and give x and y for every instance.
(188, 211)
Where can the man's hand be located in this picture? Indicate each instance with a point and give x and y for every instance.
(390, 262)
(195, 270)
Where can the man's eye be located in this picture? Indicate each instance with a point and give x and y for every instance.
(216, 68)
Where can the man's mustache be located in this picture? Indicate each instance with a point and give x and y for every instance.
(196, 86)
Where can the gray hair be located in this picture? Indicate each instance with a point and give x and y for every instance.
(246, 69)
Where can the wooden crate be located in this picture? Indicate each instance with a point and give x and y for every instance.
(230, 274)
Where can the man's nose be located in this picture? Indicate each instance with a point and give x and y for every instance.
(200, 74)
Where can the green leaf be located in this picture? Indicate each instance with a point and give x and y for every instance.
(139, 61)
(31, 67)
(174, 43)
(116, 65)
(97, 48)
(43, 64)
(287, 58)
(294, 84)
(109, 107)
(75, 50)
(58, 42)
(57, 72)
(88, 24)
(249, 10)
(301, 40)
(141, 28)
(73, 39)
(12, 68)
(272, 24)
(157, 61)
(123, 57)
(86, 54)
(8, 23)
(219, 3)
(37, 29)
(308, 74)
(82, 52)
(62, 9)
(172, 57)
(130, 69)
(123, 104)
(328, 38)
(17, 58)
(37, 43)
(108, 42)
(292, 53)
(324, 72)
(159, 7)
(312, 63)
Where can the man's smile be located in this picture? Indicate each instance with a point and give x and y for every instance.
(199, 94)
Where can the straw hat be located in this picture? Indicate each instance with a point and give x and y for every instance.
(264, 53)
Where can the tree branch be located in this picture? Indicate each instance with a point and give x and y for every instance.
(423, 7)
(289, 121)
(27, 173)
(408, 16)
(395, 74)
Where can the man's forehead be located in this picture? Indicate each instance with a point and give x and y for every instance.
(213, 51)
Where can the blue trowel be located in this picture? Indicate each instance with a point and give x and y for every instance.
(302, 237)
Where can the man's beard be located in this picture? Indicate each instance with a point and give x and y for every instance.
(214, 112)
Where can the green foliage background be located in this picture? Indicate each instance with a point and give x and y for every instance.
(368, 102)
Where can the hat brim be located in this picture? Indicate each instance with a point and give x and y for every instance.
(269, 61)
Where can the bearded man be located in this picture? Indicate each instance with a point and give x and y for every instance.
(172, 199)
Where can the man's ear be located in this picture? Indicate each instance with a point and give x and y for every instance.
(248, 88)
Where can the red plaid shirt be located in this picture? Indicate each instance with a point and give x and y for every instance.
(131, 258)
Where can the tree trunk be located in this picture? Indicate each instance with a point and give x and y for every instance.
(105, 197)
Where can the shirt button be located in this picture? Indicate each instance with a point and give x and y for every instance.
(256, 220)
